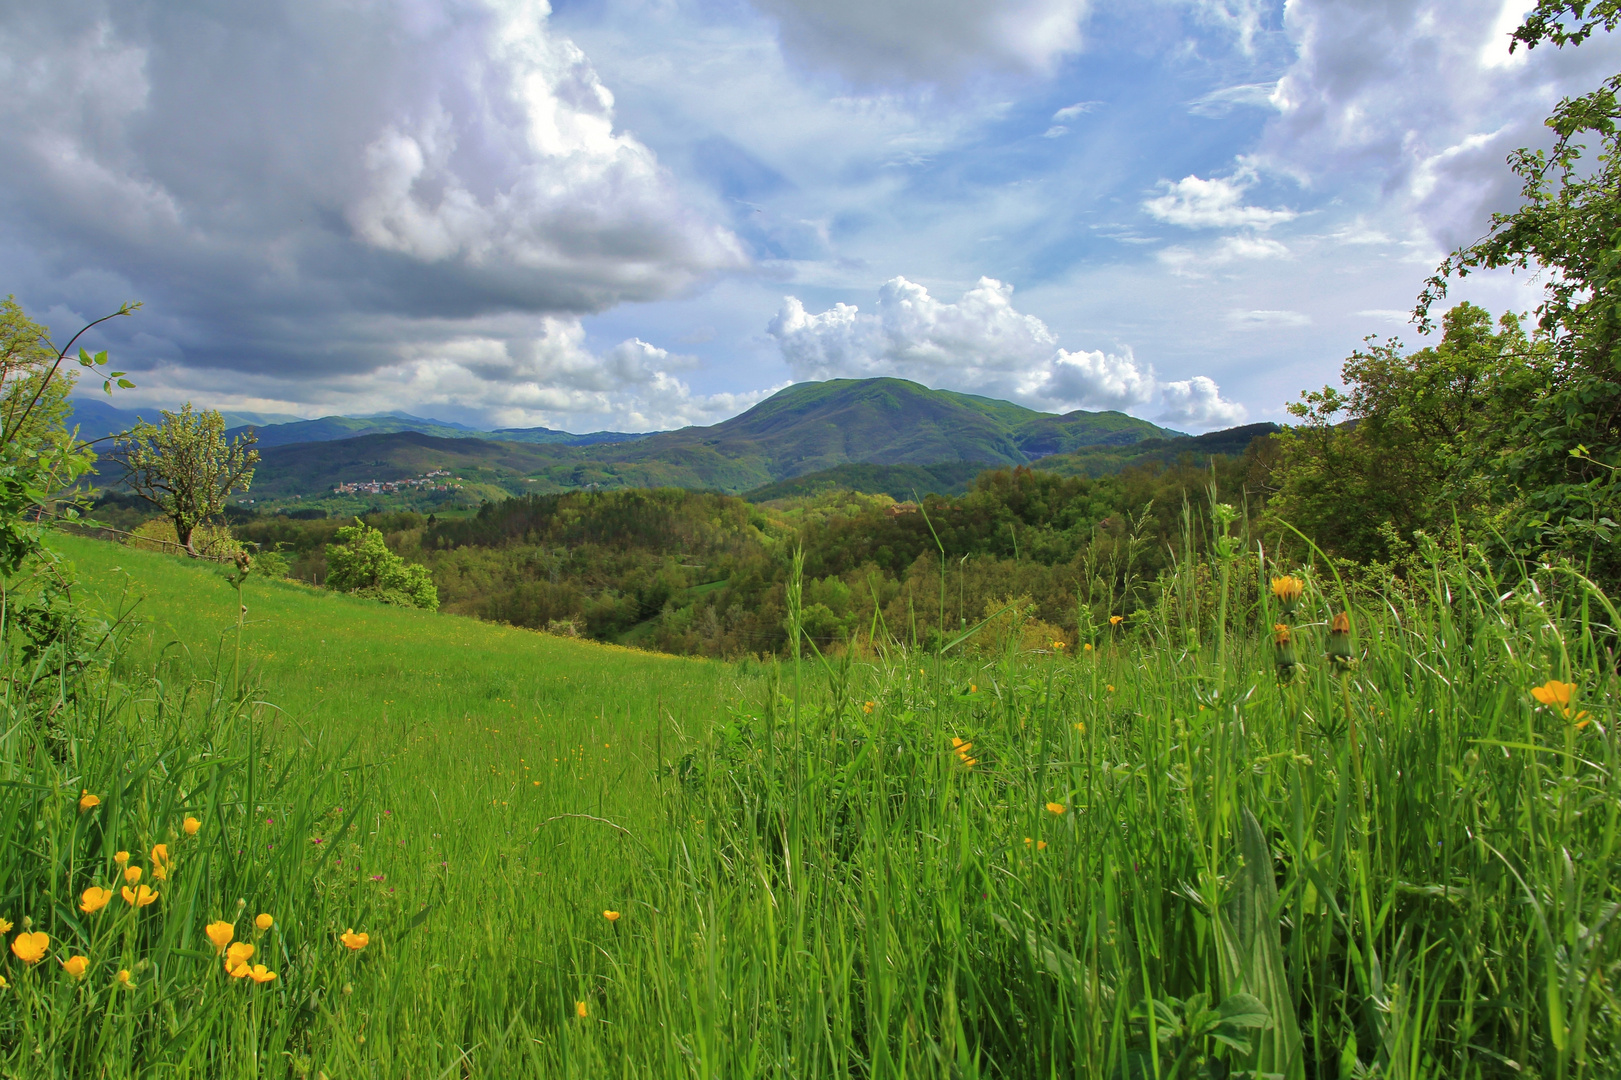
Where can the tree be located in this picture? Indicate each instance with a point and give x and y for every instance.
(360, 563)
(1413, 441)
(1565, 445)
(186, 469)
(41, 460)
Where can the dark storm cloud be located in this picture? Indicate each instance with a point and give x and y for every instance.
(292, 187)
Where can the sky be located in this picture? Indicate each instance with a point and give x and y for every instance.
(643, 214)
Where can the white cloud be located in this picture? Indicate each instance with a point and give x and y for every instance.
(1420, 101)
(1217, 203)
(1075, 111)
(500, 374)
(1197, 403)
(1220, 103)
(928, 41)
(980, 344)
(1266, 320)
(298, 188)
(1055, 131)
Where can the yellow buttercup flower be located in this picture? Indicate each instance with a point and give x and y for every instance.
(88, 801)
(611, 916)
(1056, 808)
(139, 897)
(260, 974)
(1058, 645)
(76, 966)
(220, 933)
(1087, 647)
(125, 978)
(160, 862)
(236, 959)
(354, 941)
(191, 825)
(1116, 620)
(1554, 692)
(132, 874)
(94, 899)
(3, 984)
(30, 948)
(121, 858)
(5, 926)
(580, 1010)
(264, 922)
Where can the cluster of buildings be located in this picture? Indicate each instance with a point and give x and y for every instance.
(438, 480)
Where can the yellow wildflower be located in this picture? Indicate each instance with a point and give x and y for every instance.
(220, 933)
(94, 899)
(237, 957)
(1058, 646)
(354, 941)
(132, 874)
(1056, 808)
(88, 801)
(611, 916)
(5, 926)
(139, 897)
(191, 825)
(580, 1010)
(3, 984)
(1288, 589)
(1087, 647)
(1554, 692)
(264, 922)
(76, 966)
(30, 948)
(121, 858)
(125, 978)
(260, 974)
(1116, 620)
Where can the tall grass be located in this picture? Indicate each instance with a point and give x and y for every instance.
(1155, 858)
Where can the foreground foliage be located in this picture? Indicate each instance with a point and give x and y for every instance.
(1152, 859)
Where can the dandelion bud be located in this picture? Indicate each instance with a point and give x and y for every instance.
(1283, 649)
(1339, 639)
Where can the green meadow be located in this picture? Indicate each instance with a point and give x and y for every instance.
(1165, 856)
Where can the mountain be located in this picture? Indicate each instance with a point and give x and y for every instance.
(97, 419)
(806, 428)
(899, 482)
(1105, 460)
(333, 428)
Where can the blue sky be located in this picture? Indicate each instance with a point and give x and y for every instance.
(640, 214)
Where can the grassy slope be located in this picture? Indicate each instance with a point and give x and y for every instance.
(836, 892)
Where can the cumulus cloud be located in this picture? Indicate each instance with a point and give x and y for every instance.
(502, 373)
(980, 344)
(299, 189)
(1421, 99)
(927, 41)
(1197, 403)
(1217, 203)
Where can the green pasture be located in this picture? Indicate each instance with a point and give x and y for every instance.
(1152, 859)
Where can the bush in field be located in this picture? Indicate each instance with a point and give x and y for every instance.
(360, 563)
(209, 541)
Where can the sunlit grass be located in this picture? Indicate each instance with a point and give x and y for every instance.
(1150, 853)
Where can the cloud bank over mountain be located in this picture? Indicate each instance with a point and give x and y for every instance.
(981, 344)
(307, 191)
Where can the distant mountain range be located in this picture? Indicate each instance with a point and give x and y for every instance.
(97, 419)
(886, 435)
